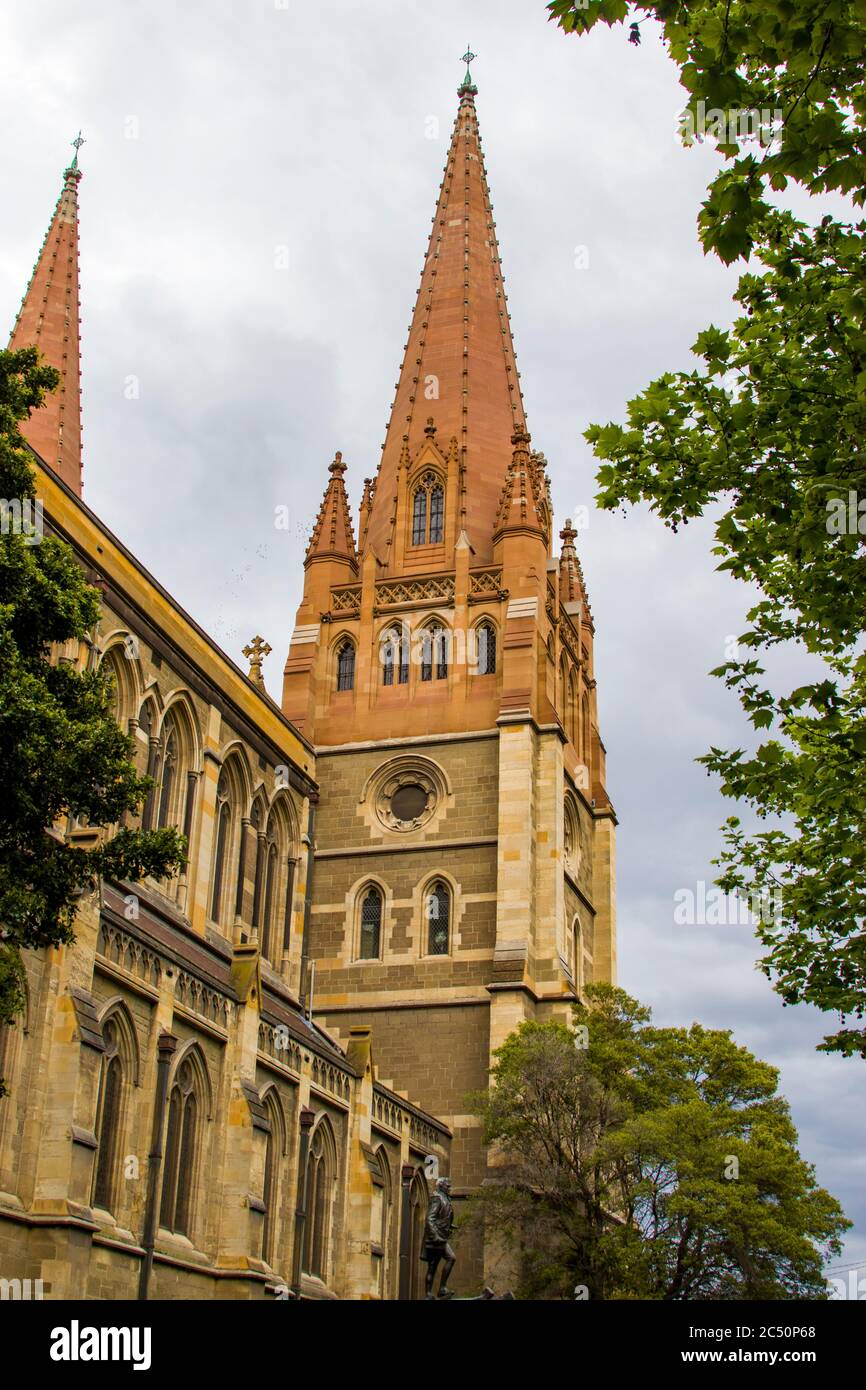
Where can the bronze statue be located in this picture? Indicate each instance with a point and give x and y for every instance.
(437, 1232)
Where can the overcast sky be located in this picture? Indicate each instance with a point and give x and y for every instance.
(259, 181)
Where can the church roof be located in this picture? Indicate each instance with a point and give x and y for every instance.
(459, 364)
(49, 320)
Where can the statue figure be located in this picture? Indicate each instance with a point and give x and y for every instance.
(437, 1232)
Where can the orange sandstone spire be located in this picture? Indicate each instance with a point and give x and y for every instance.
(522, 505)
(459, 365)
(333, 536)
(49, 320)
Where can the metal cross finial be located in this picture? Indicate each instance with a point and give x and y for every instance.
(255, 652)
(468, 57)
(77, 142)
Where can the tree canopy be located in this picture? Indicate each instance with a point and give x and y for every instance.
(768, 430)
(654, 1163)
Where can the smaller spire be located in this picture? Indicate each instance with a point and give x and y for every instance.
(364, 512)
(467, 86)
(571, 585)
(519, 505)
(333, 536)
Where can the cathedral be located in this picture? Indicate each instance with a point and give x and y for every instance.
(238, 1083)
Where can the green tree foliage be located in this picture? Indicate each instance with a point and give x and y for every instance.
(61, 751)
(651, 1163)
(768, 429)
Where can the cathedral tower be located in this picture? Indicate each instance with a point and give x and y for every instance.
(49, 320)
(442, 665)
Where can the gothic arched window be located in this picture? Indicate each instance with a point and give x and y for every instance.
(419, 517)
(437, 515)
(438, 905)
(175, 1213)
(585, 733)
(384, 1220)
(577, 938)
(271, 1194)
(570, 712)
(395, 657)
(223, 832)
(169, 777)
(271, 873)
(428, 512)
(485, 636)
(346, 666)
(109, 1118)
(370, 942)
(320, 1179)
(418, 1201)
(434, 653)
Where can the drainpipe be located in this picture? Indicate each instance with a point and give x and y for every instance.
(307, 1117)
(166, 1048)
(308, 900)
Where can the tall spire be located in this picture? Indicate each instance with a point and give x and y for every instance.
(459, 364)
(333, 536)
(49, 320)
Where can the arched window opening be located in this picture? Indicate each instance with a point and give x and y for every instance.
(109, 1118)
(418, 1200)
(321, 1175)
(117, 665)
(268, 932)
(438, 904)
(371, 925)
(271, 1193)
(346, 666)
(570, 712)
(577, 939)
(585, 734)
(568, 833)
(383, 1232)
(223, 817)
(169, 778)
(180, 1154)
(259, 866)
(428, 512)
(486, 642)
(437, 515)
(419, 517)
(395, 657)
(434, 654)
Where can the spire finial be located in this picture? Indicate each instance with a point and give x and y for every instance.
(467, 85)
(77, 142)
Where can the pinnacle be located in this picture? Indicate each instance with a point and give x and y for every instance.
(333, 536)
(521, 505)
